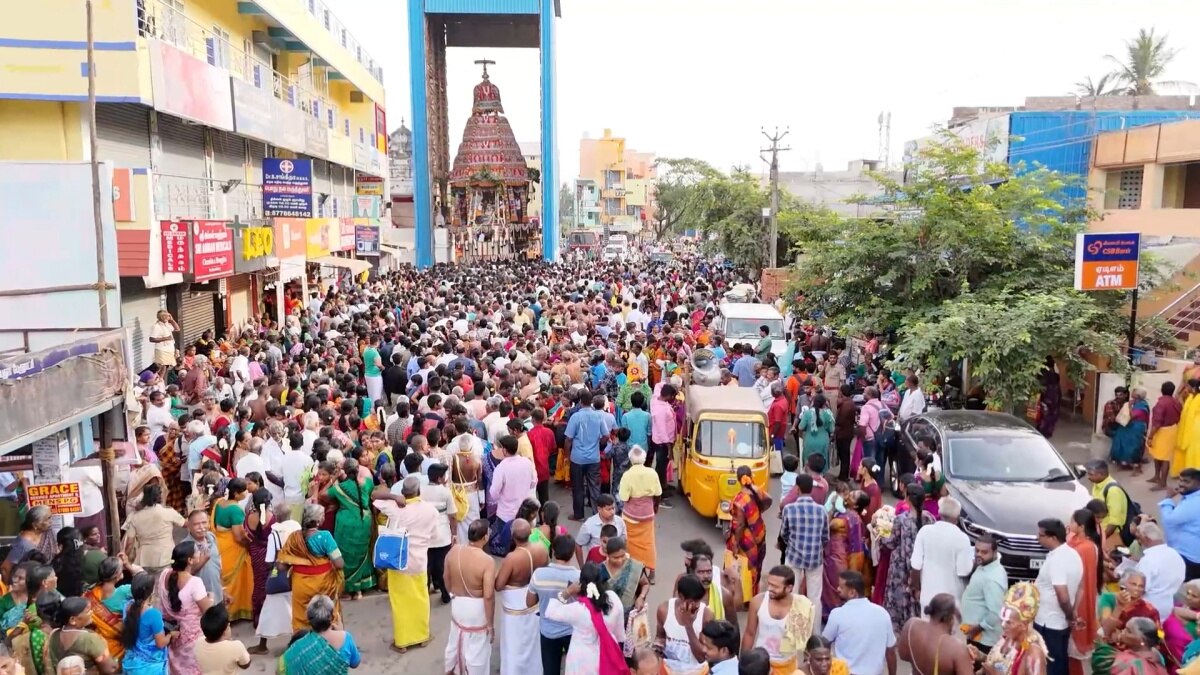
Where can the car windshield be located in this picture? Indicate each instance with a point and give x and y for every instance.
(1004, 457)
(748, 328)
(738, 440)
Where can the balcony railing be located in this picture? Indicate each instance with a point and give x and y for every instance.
(186, 197)
(163, 20)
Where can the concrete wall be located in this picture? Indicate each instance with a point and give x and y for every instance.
(832, 189)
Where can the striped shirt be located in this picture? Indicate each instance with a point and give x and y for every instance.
(547, 582)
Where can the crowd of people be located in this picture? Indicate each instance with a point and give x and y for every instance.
(271, 467)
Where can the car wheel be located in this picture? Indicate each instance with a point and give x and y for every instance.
(894, 478)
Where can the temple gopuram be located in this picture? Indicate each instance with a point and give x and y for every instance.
(489, 186)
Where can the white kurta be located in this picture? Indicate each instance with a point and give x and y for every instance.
(943, 554)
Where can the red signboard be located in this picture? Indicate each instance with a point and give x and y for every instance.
(176, 251)
(381, 134)
(346, 230)
(212, 250)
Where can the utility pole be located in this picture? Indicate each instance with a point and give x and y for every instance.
(93, 150)
(774, 162)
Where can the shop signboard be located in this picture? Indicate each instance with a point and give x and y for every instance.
(253, 249)
(63, 499)
(187, 87)
(366, 206)
(122, 195)
(253, 112)
(345, 234)
(289, 237)
(176, 246)
(212, 250)
(1107, 261)
(316, 137)
(366, 184)
(366, 240)
(317, 237)
(287, 187)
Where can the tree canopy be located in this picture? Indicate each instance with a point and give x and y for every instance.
(976, 262)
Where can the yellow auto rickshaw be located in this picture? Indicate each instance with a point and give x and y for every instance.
(726, 429)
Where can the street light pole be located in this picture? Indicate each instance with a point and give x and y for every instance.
(774, 162)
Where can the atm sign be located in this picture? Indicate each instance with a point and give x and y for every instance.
(1107, 262)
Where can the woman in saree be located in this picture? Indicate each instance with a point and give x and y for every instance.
(183, 600)
(1187, 444)
(1020, 649)
(108, 601)
(1129, 439)
(237, 574)
(144, 637)
(323, 650)
(1181, 630)
(819, 659)
(1135, 650)
(1164, 434)
(170, 463)
(625, 576)
(257, 528)
(352, 527)
(1118, 609)
(29, 644)
(316, 565)
(898, 598)
(14, 605)
(748, 531)
(845, 548)
(1083, 536)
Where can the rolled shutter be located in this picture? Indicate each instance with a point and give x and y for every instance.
(238, 289)
(123, 134)
(196, 315)
(139, 313)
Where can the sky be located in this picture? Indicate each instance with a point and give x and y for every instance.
(702, 78)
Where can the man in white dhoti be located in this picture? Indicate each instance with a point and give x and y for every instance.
(520, 643)
(942, 555)
(471, 580)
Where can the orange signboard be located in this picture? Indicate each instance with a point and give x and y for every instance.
(122, 195)
(1107, 261)
(62, 498)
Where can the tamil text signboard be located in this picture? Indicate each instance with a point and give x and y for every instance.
(287, 188)
(176, 246)
(366, 240)
(1107, 261)
(212, 250)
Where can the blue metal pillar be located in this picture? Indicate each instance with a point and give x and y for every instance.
(422, 190)
(549, 128)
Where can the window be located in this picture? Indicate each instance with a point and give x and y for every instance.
(218, 48)
(362, 135)
(735, 440)
(1131, 188)
(1004, 458)
(331, 120)
(343, 38)
(745, 329)
(347, 128)
(326, 13)
(312, 6)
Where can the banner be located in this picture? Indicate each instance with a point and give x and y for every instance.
(346, 234)
(366, 206)
(176, 247)
(366, 240)
(366, 184)
(253, 112)
(287, 188)
(187, 87)
(122, 196)
(1107, 262)
(212, 250)
(63, 498)
(316, 238)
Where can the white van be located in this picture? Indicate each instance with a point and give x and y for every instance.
(740, 323)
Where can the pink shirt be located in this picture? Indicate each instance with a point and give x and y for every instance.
(420, 518)
(511, 482)
(868, 418)
(662, 420)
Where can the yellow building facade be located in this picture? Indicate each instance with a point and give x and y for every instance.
(624, 177)
(192, 96)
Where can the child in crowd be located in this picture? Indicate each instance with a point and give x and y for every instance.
(597, 553)
(787, 480)
(619, 453)
(219, 654)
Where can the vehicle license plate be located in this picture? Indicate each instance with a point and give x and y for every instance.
(1036, 563)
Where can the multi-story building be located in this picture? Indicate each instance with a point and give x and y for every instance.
(606, 162)
(587, 204)
(193, 98)
(839, 191)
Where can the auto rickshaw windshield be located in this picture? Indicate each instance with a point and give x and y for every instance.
(730, 439)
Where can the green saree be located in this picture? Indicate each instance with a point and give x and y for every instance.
(352, 529)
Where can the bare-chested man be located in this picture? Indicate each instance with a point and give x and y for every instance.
(520, 646)
(464, 475)
(470, 576)
(930, 645)
(771, 615)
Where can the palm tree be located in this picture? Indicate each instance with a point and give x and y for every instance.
(1146, 59)
(1105, 86)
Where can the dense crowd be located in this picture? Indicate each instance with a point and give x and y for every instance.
(400, 434)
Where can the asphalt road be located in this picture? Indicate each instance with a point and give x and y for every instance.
(369, 620)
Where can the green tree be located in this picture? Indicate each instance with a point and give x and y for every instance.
(977, 263)
(680, 196)
(1105, 86)
(566, 205)
(1145, 61)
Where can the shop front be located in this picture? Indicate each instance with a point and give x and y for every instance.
(255, 265)
(291, 287)
(201, 250)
